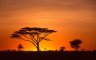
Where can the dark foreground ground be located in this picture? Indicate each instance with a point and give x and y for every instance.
(50, 55)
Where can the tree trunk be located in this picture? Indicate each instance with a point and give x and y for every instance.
(38, 49)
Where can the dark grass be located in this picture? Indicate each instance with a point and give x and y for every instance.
(48, 55)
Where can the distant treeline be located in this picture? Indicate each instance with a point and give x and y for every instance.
(48, 55)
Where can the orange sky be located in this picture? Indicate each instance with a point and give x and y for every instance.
(71, 18)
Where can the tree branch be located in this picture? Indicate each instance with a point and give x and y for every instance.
(32, 38)
(29, 41)
(43, 37)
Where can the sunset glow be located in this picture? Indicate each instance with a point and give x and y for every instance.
(71, 19)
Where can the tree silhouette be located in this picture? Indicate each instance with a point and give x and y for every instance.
(62, 48)
(75, 44)
(34, 35)
(20, 47)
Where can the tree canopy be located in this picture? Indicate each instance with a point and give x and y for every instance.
(75, 44)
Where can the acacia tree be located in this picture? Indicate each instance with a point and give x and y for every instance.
(34, 35)
(75, 44)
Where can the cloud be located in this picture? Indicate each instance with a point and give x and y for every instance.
(9, 5)
(75, 4)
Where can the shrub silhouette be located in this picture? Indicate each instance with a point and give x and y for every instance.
(34, 35)
(75, 44)
(20, 47)
(62, 48)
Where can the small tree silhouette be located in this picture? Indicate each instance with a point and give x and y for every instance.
(75, 44)
(62, 48)
(34, 35)
(20, 47)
